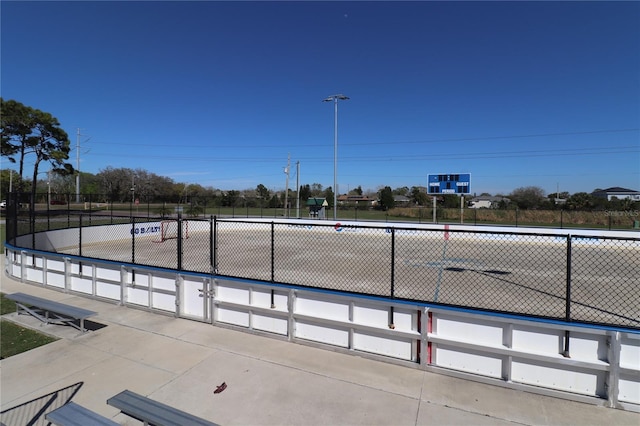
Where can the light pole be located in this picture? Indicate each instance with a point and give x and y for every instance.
(335, 99)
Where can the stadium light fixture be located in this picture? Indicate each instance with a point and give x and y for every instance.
(335, 99)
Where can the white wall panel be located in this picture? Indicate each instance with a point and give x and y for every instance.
(457, 328)
(270, 324)
(588, 347)
(55, 279)
(537, 340)
(162, 282)
(630, 352)
(232, 293)
(82, 285)
(383, 345)
(108, 274)
(34, 275)
(470, 361)
(164, 302)
(232, 316)
(108, 290)
(322, 334)
(315, 307)
(558, 377)
(369, 315)
(56, 265)
(137, 296)
(629, 389)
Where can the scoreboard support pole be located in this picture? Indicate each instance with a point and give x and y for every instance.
(434, 209)
(462, 209)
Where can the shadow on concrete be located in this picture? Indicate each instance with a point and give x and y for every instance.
(33, 412)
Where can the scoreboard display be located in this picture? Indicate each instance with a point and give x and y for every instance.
(452, 183)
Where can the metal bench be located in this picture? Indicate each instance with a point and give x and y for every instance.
(72, 414)
(50, 312)
(153, 412)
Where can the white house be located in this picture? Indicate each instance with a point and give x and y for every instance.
(486, 202)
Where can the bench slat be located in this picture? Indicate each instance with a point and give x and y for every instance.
(72, 414)
(51, 306)
(153, 412)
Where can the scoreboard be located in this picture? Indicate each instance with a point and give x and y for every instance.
(452, 183)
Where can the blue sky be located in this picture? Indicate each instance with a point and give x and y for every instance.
(220, 93)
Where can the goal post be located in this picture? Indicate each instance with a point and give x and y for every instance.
(169, 229)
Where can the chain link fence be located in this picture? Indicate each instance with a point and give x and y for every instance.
(555, 276)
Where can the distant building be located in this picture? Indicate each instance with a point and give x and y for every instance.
(317, 207)
(617, 192)
(487, 202)
(356, 200)
(401, 200)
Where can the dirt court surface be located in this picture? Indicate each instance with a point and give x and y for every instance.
(527, 275)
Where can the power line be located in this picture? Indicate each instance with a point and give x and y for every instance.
(412, 157)
(425, 141)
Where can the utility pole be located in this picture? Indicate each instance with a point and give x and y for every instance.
(78, 166)
(286, 189)
(298, 189)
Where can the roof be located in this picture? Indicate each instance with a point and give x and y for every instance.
(314, 201)
(345, 197)
(401, 199)
(616, 190)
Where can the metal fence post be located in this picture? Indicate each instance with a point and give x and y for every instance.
(133, 239)
(273, 252)
(211, 244)
(568, 298)
(179, 245)
(215, 245)
(80, 242)
(393, 261)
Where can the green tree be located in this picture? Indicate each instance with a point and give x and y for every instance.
(450, 201)
(116, 184)
(305, 193)
(229, 198)
(316, 189)
(328, 195)
(385, 195)
(356, 191)
(529, 197)
(16, 122)
(8, 178)
(262, 192)
(28, 131)
(418, 196)
(274, 202)
(403, 190)
(580, 201)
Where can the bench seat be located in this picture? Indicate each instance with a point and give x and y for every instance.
(153, 412)
(72, 414)
(49, 311)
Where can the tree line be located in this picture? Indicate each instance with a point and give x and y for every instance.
(28, 133)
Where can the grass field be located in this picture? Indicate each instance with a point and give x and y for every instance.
(15, 339)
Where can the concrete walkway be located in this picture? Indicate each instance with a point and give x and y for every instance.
(269, 381)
